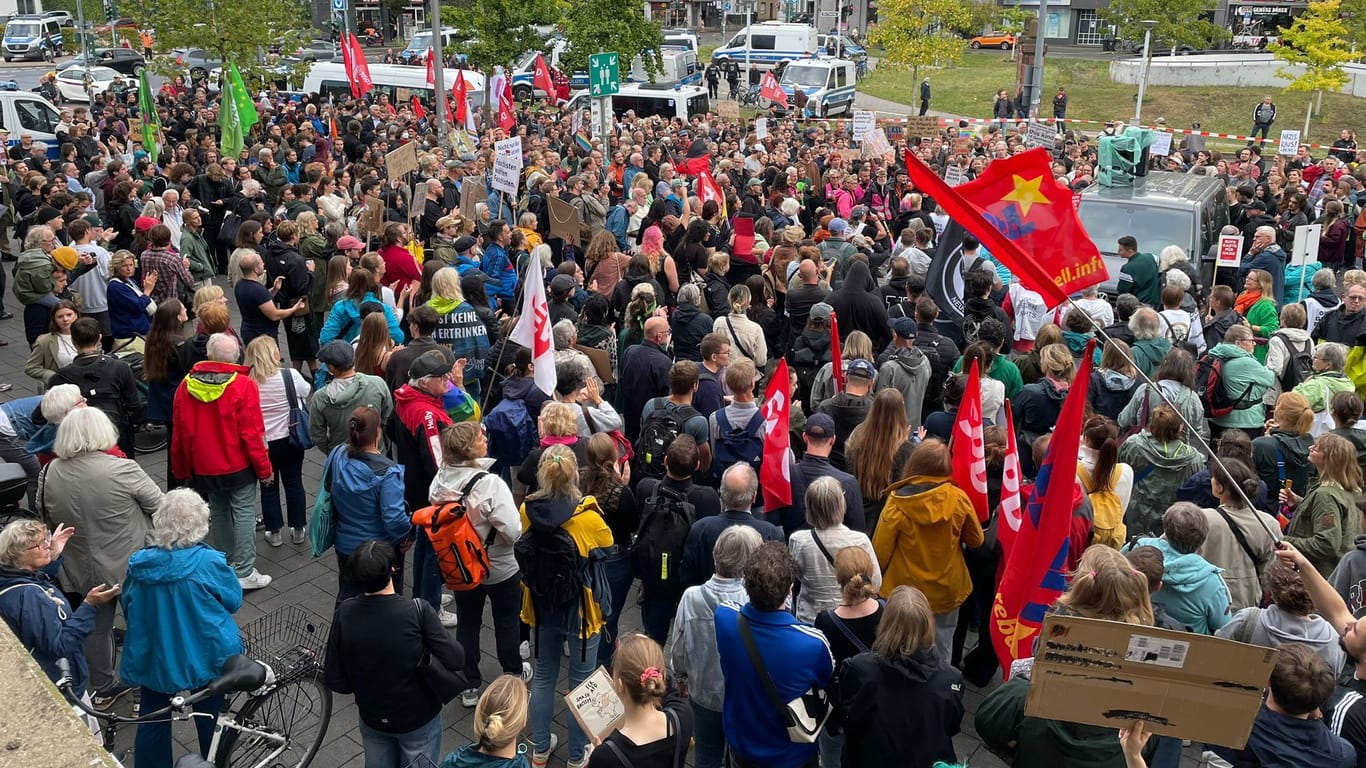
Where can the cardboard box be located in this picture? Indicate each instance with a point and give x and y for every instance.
(1184, 685)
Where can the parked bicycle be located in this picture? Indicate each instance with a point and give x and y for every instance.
(278, 708)
(749, 97)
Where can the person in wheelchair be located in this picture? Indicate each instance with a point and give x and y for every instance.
(105, 381)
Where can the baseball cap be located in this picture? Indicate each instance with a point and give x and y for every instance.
(562, 285)
(822, 310)
(349, 243)
(837, 226)
(861, 368)
(337, 355)
(66, 257)
(142, 224)
(756, 182)
(821, 426)
(904, 327)
(433, 363)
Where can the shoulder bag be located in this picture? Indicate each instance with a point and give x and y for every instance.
(322, 524)
(805, 715)
(299, 433)
(444, 683)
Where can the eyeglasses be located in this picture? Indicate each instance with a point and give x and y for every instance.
(46, 543)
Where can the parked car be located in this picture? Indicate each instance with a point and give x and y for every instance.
(1003, 40)
(318, 50)
(197, 62)
(63, 18)
(123, 60)
(71, 82)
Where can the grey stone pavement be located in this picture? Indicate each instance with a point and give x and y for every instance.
(310, 584)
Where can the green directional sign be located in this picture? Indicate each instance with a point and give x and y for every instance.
(604, 74)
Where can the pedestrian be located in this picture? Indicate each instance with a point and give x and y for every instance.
(1060, 109)
(924, 96)
(1263, 115)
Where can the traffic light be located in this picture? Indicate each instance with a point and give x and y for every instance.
(111, 12)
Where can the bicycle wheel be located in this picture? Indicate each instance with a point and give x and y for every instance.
(300, 710)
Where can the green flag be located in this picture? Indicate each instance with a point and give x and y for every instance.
(148, 110)
(229, 123)
(246, 109)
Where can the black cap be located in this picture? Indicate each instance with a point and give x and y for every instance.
(464, 243)
(434, 363)
(337, 355)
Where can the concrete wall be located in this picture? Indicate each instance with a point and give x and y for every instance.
(1247, 70)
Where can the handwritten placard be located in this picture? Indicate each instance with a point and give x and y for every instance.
(761, 128)
(1290, 143)
(507, 165)
(1162, 144)
(875, 143)
(864, 121)
(595, 705)
(401, 161)
(921, 126)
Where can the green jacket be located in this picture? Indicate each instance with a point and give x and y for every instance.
(1148, 353)
(272, 181)
(1159, 470)
(1320, 388)
(1262, 315)
(33, 276)
(442, 248)
(1241, 369)
(1325, 526)
(193, 246)
(313, 247)
(1038, 743)
(1139, 277)
(331, 406)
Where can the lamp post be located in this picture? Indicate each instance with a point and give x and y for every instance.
(1147, 61)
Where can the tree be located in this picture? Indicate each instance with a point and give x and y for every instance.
(1179, 22)
(1354, 17)
(916, 33)
(1317, 40)
(500, 31)
(241, 31)
(611, 26)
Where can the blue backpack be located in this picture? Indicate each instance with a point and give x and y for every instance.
(511, 433)
(738, 444)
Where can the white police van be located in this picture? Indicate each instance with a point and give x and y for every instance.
(32, 37)
(421, 41)
(652, 100)
(24, 113)
(401, 83)
(767, 44)
(827, 83)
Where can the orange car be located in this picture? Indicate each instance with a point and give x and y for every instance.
(1003, 40)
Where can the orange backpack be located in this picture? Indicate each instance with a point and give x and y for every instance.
(461, 554)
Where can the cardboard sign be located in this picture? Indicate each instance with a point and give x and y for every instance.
(1162, 144)
(1180, 684)
(472, 192)
(1041, 135)
(1230, 251)
(923, 127)
(963, 144)
(728, 110)
(1290, 143)
(507, 165)
(761, 128)
(875, 143)
(564, 220)
(401, 161)
(595, 704)
(1306, 247)
(864, 121)
(955, 175)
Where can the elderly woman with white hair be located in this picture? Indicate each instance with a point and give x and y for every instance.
(814, 548)
(110, 500)
(53, 408)
(1327, 380)
(179, 597)
(1150, 344)
(1174, 257)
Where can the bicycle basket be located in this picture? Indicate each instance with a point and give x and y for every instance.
(290, 639)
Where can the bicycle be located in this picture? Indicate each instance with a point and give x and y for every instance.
(267, 719)
(749, 97)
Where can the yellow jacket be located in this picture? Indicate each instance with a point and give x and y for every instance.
(919, 536)
(585, 526)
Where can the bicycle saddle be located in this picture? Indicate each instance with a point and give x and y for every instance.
(240, 673)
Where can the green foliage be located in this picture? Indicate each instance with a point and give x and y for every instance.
(593, 26)
(1317, 40)
(1179, 22)
(234, 30)
(986, 13)
(915, 33)
(1354, 19)
(1014, 19)
(500, 31)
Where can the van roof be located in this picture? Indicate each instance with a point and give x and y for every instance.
(1161, 189)
(823, 60)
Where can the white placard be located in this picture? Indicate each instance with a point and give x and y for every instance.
(576, 121)
(602, 116)
(1290, 143)
(875, 143)
(761, 127)
(1306, 247)
(1230, 251)
(1041, 135)
(507, 165)
(955, 174)
(864, 121)
(1162, 144)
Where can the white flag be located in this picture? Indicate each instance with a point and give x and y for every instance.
(533, 327)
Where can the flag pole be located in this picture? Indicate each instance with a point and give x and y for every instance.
(498, 364)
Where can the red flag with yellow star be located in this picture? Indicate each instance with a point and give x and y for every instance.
(1025, 218)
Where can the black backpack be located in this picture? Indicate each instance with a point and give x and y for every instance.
(665, 422)
(551, 567)
(657, 553)
(1213, 391)
(1299, 366)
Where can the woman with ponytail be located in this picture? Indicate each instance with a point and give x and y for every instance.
(606, 478)
(499, 719)
(1107, 482)
(367, 497)
(851, 626)
(659, 723)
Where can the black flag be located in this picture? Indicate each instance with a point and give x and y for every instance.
(944, 281)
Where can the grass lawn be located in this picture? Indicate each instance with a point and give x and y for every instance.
(969, 87)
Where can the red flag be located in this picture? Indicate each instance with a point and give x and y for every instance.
(708, 189)
(431, 67)
(1035, 571)
(418, 111)
(542, 79)
(1025, 218)
(360, 74)
(461, 91)
(349, 64)
(769, 89)
(773, 472)
(507, 116)
(836, 357)
(968, 449)
(1008, 520)
(697, 160)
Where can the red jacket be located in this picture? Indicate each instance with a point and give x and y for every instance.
(400, 268)
(218, 440)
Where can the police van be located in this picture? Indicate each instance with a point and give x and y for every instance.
(33, 37)
(401, 83)
(422, 41)
(827, 83)
(767, 44)
(676, 66)
(652, 100)
(24, 113)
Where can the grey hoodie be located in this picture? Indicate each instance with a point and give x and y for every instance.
(1274, 628)
(1349, 578)
(907, 370)
(331, 406)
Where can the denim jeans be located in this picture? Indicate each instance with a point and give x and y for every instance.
(583, 659)
(944, 625)
(232, 526)
(620, 574)
(1167, 754)
(399, 750)
(506, 597)
(427, 580)
(832, 748)
(152, 744)
(709, 735)
(288, 462)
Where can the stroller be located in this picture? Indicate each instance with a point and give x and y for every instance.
(13, 489)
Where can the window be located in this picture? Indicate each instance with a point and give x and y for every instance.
(40, 118)
(1155, 228)
(843, 75)
(762, 42)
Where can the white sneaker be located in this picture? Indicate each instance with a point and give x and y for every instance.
(528, 672)
(448, 619)
(446, 600)
(525, 649)
(582, 761)
(469, 698)
(297, 535)
(254, 580)
(539, 759)
(273, 538)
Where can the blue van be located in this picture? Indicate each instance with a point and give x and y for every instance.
(32, 37)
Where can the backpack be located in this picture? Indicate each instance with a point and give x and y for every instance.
(1209, 383)
(1299, 365)
(1176, 333)
(739, 445)
(1107, 513)
(461, 554)
(551, 571)
(511, 433)
(657, 552)
(657, 433)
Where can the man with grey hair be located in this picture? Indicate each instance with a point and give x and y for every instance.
(1266, 255)
(1150, 345)
(270, 174)
(1322, 298)
(739, 488)
(693, 658)
(218, 404)
(814, 549)
(172, 215)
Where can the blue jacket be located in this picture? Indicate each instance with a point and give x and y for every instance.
(1281, 741)
(465, 264)
(617, 221)
(797, 657)
(367, 494)
(1192, 590)
(502, 276)
(127, 310)
(343, 322)
(1270, 259)
(179, 605)
(40, 616)
(20, 413)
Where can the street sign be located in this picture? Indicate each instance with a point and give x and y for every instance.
(338, 5)
(604, 74)
(829, 14)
